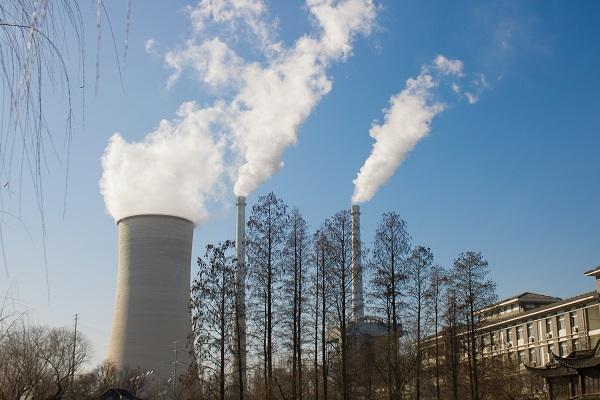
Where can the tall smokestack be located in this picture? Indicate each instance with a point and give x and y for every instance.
(358, 310)
(239, 320)
(152, 316)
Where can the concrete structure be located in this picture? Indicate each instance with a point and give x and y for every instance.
(152, 317)
(358, 308)
(239, 320)
(361, 330)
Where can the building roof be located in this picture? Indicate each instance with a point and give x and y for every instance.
(593, 272)
(528, 297)
(550, 371)
(542, 309)
(527, 314)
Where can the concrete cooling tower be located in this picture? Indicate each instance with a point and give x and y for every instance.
(152, 317)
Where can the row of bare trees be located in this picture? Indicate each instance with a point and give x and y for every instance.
(418, 341)
(37, 362)
(41, 363)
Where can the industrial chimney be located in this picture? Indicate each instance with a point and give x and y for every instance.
(239, 320)
(151, 320)
(358, 310)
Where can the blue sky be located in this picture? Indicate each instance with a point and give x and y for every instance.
(515, 175)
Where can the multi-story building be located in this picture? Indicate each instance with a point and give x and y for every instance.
(530, 328)
(553, 338)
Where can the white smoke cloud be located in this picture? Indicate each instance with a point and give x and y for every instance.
(215, 63)
(471, 98)
(276, 96)
(456, 88)
(178, 167)
(448, 67)
(237, 17)
(150, 46)
(407, 120)
(173, 171)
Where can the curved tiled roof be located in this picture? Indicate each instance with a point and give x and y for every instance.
(581, 359)
(551, 371)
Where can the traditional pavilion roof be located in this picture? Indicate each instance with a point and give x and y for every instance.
(581, 359)
(569, 365)
(551, 371)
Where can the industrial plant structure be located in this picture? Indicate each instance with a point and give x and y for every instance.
(151, 321)
(362, 330)
(239, 319)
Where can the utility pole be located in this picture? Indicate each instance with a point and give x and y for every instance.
(73, 353)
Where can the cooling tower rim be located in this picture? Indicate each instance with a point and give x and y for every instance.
(154, 216)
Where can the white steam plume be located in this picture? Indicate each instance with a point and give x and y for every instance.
(276, 99)
(177, 168)
(173, 171)
(407, 120)
(273, 98)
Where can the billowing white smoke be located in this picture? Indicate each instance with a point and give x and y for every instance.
(407, 120)
(177, 168)
(273, 98)
(174, 171)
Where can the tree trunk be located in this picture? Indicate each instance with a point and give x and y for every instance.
(418, 372)
(269, 312)
(316, 347)
(345, 383)
(299, 330)
(295, 323)
(323, 326)
(222, 348)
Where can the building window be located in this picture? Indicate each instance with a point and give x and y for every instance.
(529, 330)
(508, 335)
(532, 359)
(521, 356)
(573, 317)
(550, 352)
(548, 325)
(562, 349)
(575, 344)
(561, 322)
(520, 332)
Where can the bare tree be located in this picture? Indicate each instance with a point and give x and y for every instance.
(474, 290)
(38, 362)
(213, 298)
(265, 239)
(434, 308)
(337, 230)
(390, 249)
(296, 252)
(418, 270)
(450, 334)
(322, 309)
